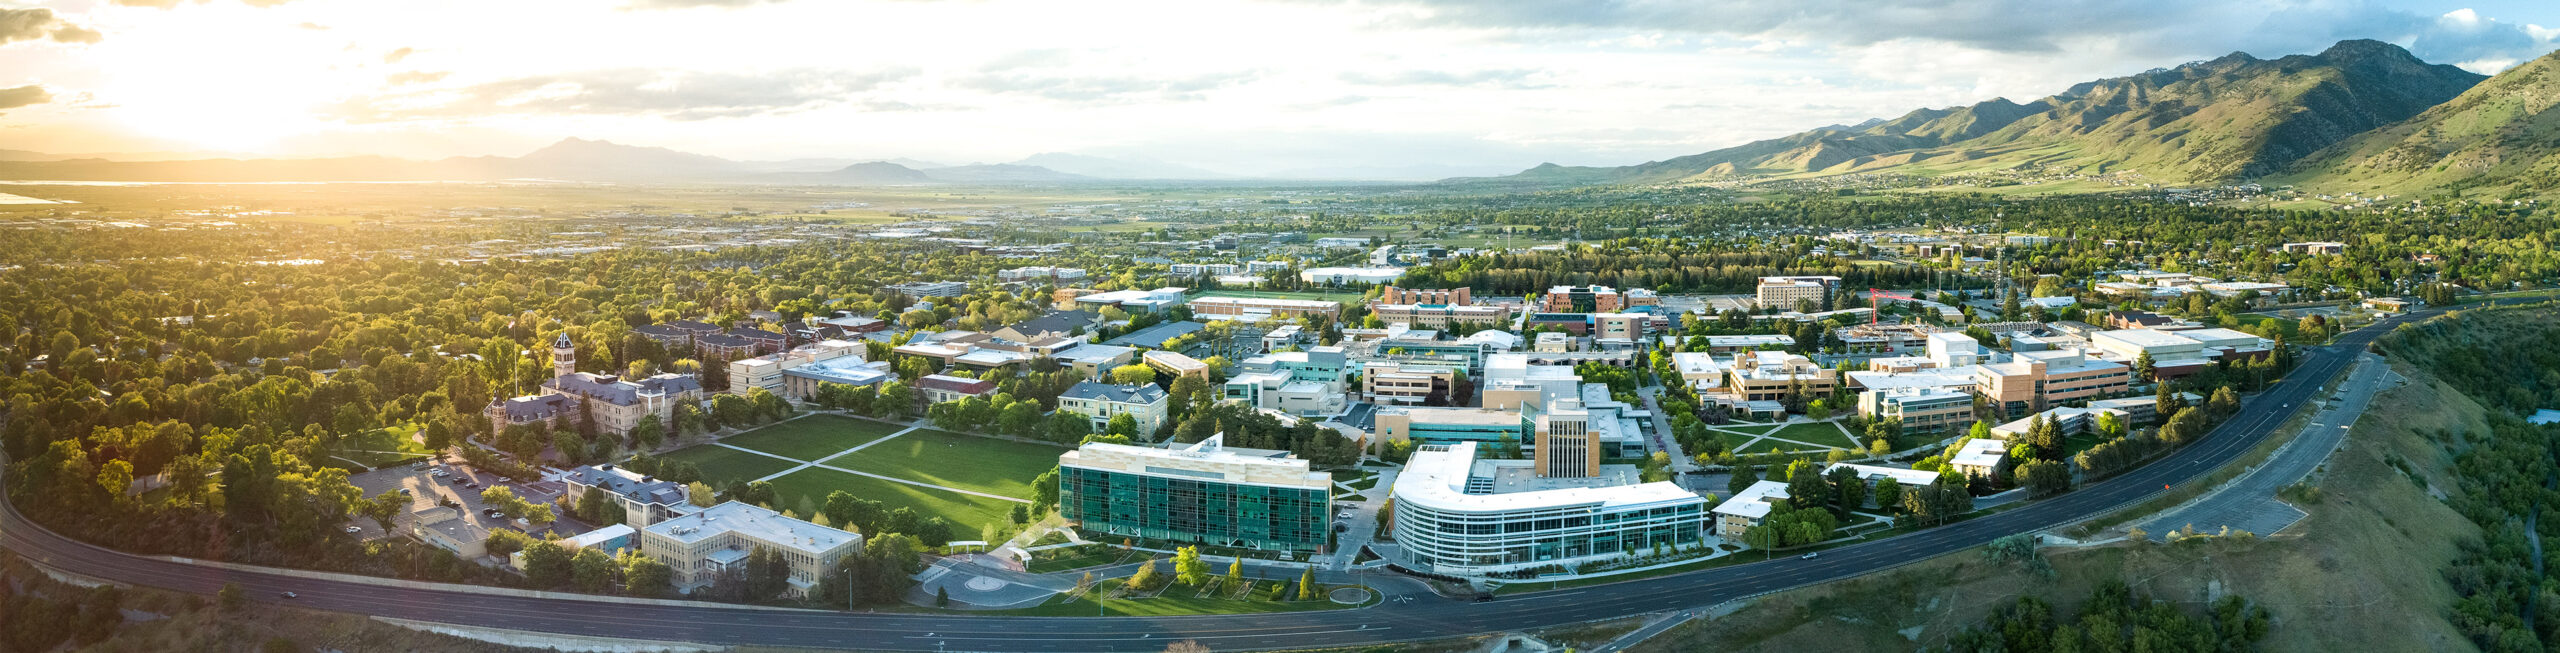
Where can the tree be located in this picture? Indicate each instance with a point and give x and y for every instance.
(1743, 476)
(1307, 584)
(1189, 568)
(644, 576)
(1235, 571)
(1888, 493)
(2043, 478)
(592, 569)
(1848, 491)
(700, 495)
(1132, 374)
(1123, 425)
(546, 564)
(1142, 578)
(2143, 366)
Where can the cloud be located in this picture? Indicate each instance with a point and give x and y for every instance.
(166, 4)
(39, 23)
(11, 98)
(395, 56)
(689, 4)
(674, 95)
(415, 77)
(1502, 78)
(1103, 89)
(2152, 27)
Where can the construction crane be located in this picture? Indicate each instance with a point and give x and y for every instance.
(1875, 303)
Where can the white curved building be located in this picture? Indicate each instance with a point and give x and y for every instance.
(1458, 516)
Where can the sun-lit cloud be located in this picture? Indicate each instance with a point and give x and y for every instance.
(11, 98)
(1244, 86)
(41, 23)
(628, 91)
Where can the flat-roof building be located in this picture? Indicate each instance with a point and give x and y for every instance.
(1457, 515)
(700, 547)
(1201, 492)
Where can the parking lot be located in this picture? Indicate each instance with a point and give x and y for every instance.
(426, 490)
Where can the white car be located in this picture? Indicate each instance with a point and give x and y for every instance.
(351, 530)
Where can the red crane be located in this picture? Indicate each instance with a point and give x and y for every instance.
(1875, 300)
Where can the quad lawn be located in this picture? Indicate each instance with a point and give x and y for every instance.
(720, 465)
(1821, 433)
(1733, 441)
(814, 437)
(990, 465)
(965, 512)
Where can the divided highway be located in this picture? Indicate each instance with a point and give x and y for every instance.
(1429, 619)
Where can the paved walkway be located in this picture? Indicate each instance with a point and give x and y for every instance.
(2248, 503)
(1661, 436)
(807, 464)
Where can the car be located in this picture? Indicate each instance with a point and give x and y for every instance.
(351, 530)
(291, 595)
(1809, 556)
(500, 516)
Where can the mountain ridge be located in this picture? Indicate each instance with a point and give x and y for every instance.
(2231, 117)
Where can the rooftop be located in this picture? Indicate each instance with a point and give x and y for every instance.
(1980, 453)
(754, 523)
(1437, 477)
(638, 487)
(1143, 393)
(1753, 502)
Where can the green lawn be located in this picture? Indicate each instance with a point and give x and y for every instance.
(813, 437)
(1821, 433)
(963, 461)
(2072, 446)
(1102, 557)
(965, 512)
(1733, 441)
(720, 465)
(379, 447)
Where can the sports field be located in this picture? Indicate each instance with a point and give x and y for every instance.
(933, 472)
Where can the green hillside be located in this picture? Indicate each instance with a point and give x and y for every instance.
(2228, 118)
(2503, 136)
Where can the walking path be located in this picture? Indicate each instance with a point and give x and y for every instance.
(807, 464)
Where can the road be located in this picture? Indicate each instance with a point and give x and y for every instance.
(2249, 503)
(1417, 620)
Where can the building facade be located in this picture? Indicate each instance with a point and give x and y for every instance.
(1100, 402)
(1460, 516)
(701, 547)
(644, 499)
(1202, 492)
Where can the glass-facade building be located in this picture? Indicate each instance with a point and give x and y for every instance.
(1201, 493)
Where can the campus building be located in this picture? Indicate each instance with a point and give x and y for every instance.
(1201, 492)
(1100, 402)
(1460, 516)
(2038, 380)
(747, 374)
(1460, 296)
(644, 499)
(1785, 292)
(1393, 383)
(1441, 316)
(616, 404)
(1748, 508)
(1594, 299)
(700, 548)
(443, 527)
(1919, 409)
(1256, 309)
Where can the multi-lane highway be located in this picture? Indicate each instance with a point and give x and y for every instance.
(1428, 619)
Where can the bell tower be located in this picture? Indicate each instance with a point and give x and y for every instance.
(564, 356)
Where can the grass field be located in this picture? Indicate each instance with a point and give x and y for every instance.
(812, 438)
(965, 512)
(1821, 433)
(381, 447)
(986, 465)
(722, 464)
(1103, 557)
(1733, 441)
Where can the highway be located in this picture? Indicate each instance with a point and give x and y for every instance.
(1425, 619)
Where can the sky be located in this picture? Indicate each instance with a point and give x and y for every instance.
(1277, 87)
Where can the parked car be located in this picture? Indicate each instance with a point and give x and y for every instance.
(351, 530)
(291, 595)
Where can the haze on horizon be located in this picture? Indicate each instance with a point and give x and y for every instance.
(1388, 88)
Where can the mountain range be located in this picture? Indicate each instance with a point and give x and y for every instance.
(2234, 117)
(576, 159)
